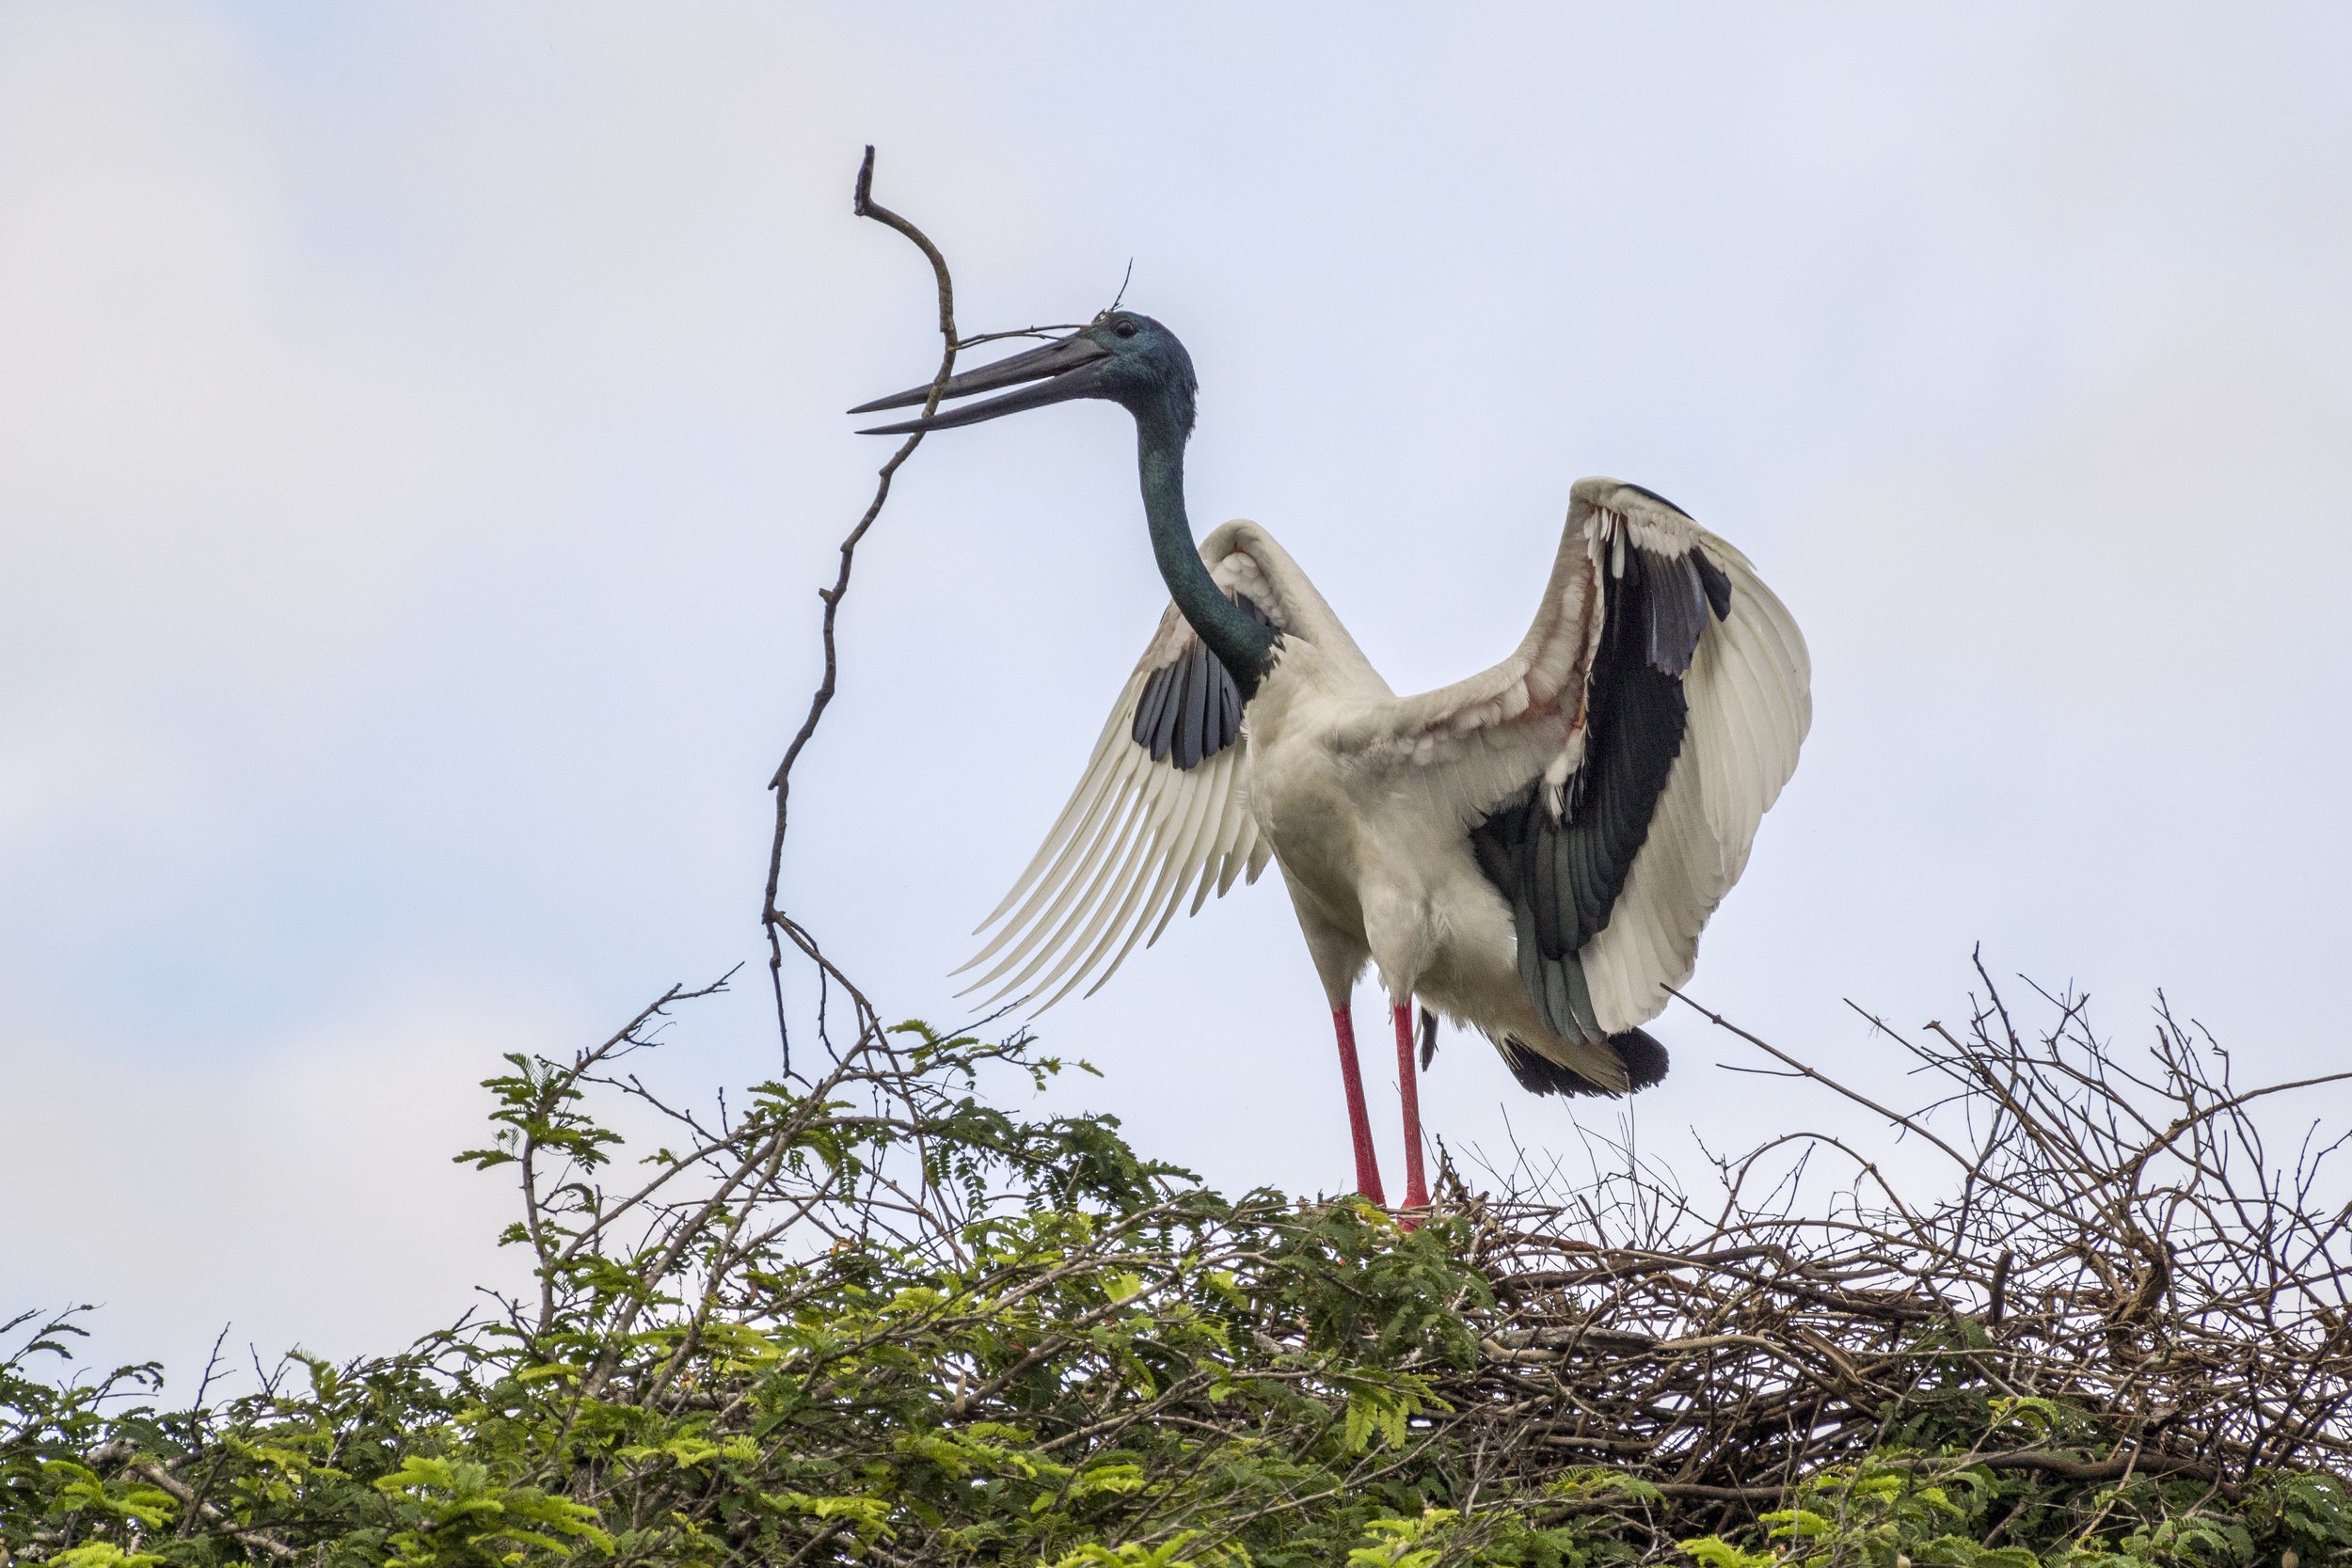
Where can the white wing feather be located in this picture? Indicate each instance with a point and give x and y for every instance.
(1136, 834)
(1751, 703)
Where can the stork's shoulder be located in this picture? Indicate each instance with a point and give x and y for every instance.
(1246, 559)
(1240, 535)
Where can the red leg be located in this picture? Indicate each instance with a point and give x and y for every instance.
(1358, 1124)
(1408, 1090)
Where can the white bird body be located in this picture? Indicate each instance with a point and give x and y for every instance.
(1367, 800)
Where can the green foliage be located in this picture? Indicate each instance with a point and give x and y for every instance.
(1941, 1512)
(877, 1317)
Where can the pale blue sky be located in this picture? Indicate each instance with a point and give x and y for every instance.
(420, 439)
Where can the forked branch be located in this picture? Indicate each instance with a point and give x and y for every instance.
(779, 925)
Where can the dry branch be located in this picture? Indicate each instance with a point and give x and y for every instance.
(778, 924)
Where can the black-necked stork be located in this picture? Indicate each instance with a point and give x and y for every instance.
(1531, 852)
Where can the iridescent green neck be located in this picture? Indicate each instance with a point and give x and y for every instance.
(1237, 637)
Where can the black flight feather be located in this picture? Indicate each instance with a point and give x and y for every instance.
(1148, 705)
(1191, 738)
(1677, 602)
(1185, 742)
(1717, 585)
(1562, 877)
(1190, 709)
(1163, 731)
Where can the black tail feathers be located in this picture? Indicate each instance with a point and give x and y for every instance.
(1645, 1062)
(1645, 1059)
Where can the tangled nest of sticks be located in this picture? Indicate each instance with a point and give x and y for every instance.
(2123, 1283)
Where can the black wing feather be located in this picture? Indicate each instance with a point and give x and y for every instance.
(1677, 602)
(1164, 732)
(1155, 689)
(1563, 878)
(1190, 709)
(1188, 726)
(1716, 584)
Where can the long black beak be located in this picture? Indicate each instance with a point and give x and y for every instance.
(1068, 367)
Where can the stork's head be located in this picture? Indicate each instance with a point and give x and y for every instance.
(1129, 359)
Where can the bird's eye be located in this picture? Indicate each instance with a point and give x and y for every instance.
(1125, 329)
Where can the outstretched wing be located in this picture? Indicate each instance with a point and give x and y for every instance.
(1611, 773)
(1161, 811)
